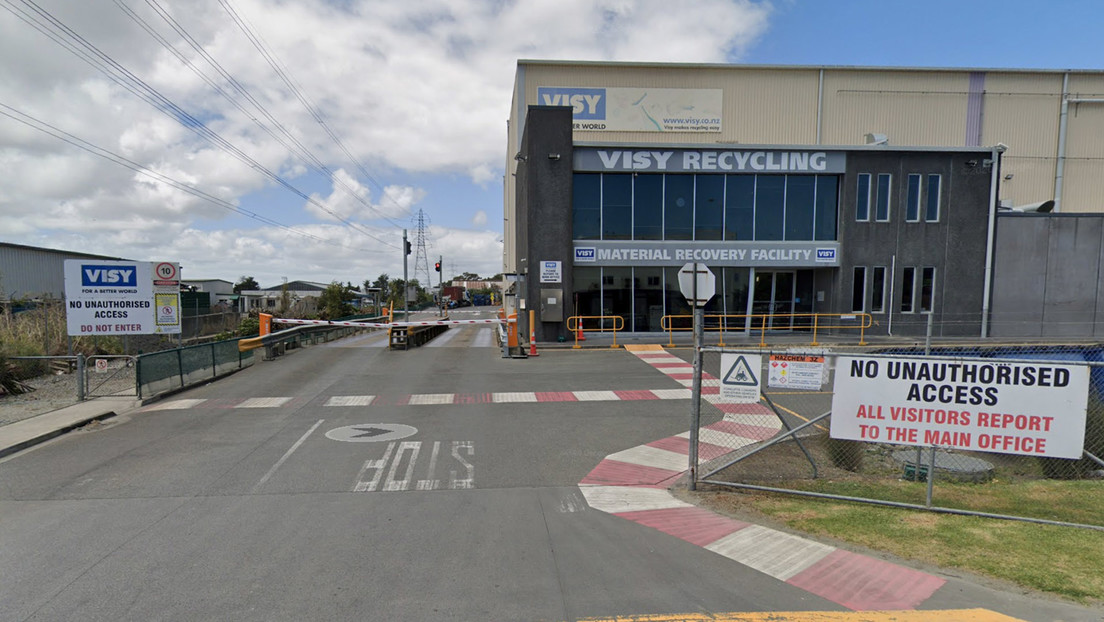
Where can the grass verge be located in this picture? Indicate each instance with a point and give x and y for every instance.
(1063, 561)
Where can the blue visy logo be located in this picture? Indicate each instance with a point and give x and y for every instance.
(585, 254)
(108, 276)
(826, 254)
(585, 103)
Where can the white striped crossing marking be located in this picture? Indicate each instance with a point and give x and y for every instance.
(350, 400)
(431, 398)
(505, 398)
(644, 455)
(596, 396)
(264, 402)
(772, 552)
(177, 404)
(619, 499)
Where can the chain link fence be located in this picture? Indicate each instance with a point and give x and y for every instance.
(968, 429)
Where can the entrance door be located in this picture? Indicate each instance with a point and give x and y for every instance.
(773, 294)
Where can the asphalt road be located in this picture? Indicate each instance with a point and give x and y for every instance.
(350, 482)
(241, 507)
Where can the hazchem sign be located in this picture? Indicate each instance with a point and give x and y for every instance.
(120, 298)
(1009, 407)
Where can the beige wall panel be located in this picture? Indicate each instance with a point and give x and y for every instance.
(1086, 85)
(911, 108)
(1032, 179)
(1083, 187)
(1021, 110)
(1084, 131)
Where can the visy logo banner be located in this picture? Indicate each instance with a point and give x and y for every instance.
(108, 276)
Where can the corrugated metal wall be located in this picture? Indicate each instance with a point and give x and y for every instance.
(28, 272)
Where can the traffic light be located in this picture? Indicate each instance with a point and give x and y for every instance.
(437, 266)
(408, 247)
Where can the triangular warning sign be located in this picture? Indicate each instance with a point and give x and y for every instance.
(741, 374)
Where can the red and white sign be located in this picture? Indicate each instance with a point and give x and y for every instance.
(796, 371)
(1008, 407)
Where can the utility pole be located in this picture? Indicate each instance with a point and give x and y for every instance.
(406, 280)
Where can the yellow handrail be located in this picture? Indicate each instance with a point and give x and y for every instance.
(577, 324)
(769, 320)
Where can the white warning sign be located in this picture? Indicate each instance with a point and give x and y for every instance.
(796, 371)
(740, 378)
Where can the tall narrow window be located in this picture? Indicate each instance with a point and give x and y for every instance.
(586, 212)
(927, 289)
(931, 208)
(877, 290)
(912, 208)
(678, 207)
(908, 286)
(885, 185)
(858, 290)
(862, 198)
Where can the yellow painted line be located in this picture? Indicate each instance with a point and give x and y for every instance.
(953, 615)
(643, 347)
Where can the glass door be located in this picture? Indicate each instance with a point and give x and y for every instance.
(773, 294)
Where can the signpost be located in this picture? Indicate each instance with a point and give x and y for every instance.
(697, 284)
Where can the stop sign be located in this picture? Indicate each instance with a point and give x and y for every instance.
(706, 283)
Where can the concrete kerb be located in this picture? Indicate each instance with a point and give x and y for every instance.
(16, 437)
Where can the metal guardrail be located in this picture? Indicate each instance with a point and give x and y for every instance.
(576, 324)
(763, 322)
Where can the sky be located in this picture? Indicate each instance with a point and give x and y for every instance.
(297, 139)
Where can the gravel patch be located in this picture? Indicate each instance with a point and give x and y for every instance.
(51, 393)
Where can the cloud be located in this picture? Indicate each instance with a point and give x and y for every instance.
(398, 90)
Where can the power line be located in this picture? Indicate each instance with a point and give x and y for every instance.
(278, 67)
(80, 143)
(57, 31)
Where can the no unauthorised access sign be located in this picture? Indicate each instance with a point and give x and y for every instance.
(1010, 407)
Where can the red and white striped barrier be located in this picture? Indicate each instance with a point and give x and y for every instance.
(389, 325)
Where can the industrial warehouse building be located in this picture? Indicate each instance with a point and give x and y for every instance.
(967, 197)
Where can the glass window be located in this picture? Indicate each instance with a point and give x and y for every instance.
(912, 207)
(885, 184)
(908, 286)
(586, 214)
(588, 292)
(740, 207)
(931, 211)
(862, 198)
(617, 207)
(800, 204)
(648, 207)
(647, 299)
(708, 207)
(770, 207)
(858, 290)
(617, 296)
(927, 289)
(877, 290)
(678, 207)
(674, 302)
(827, 201)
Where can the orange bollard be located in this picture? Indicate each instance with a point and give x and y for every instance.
(532, 334)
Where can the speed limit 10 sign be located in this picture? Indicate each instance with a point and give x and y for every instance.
(166, 271)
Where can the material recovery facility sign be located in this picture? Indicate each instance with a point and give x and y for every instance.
(121, 297)
(1008, 407)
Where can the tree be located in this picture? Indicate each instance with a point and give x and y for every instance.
(246, 283)
(468, 276)
(334, 302)
(381, 282)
